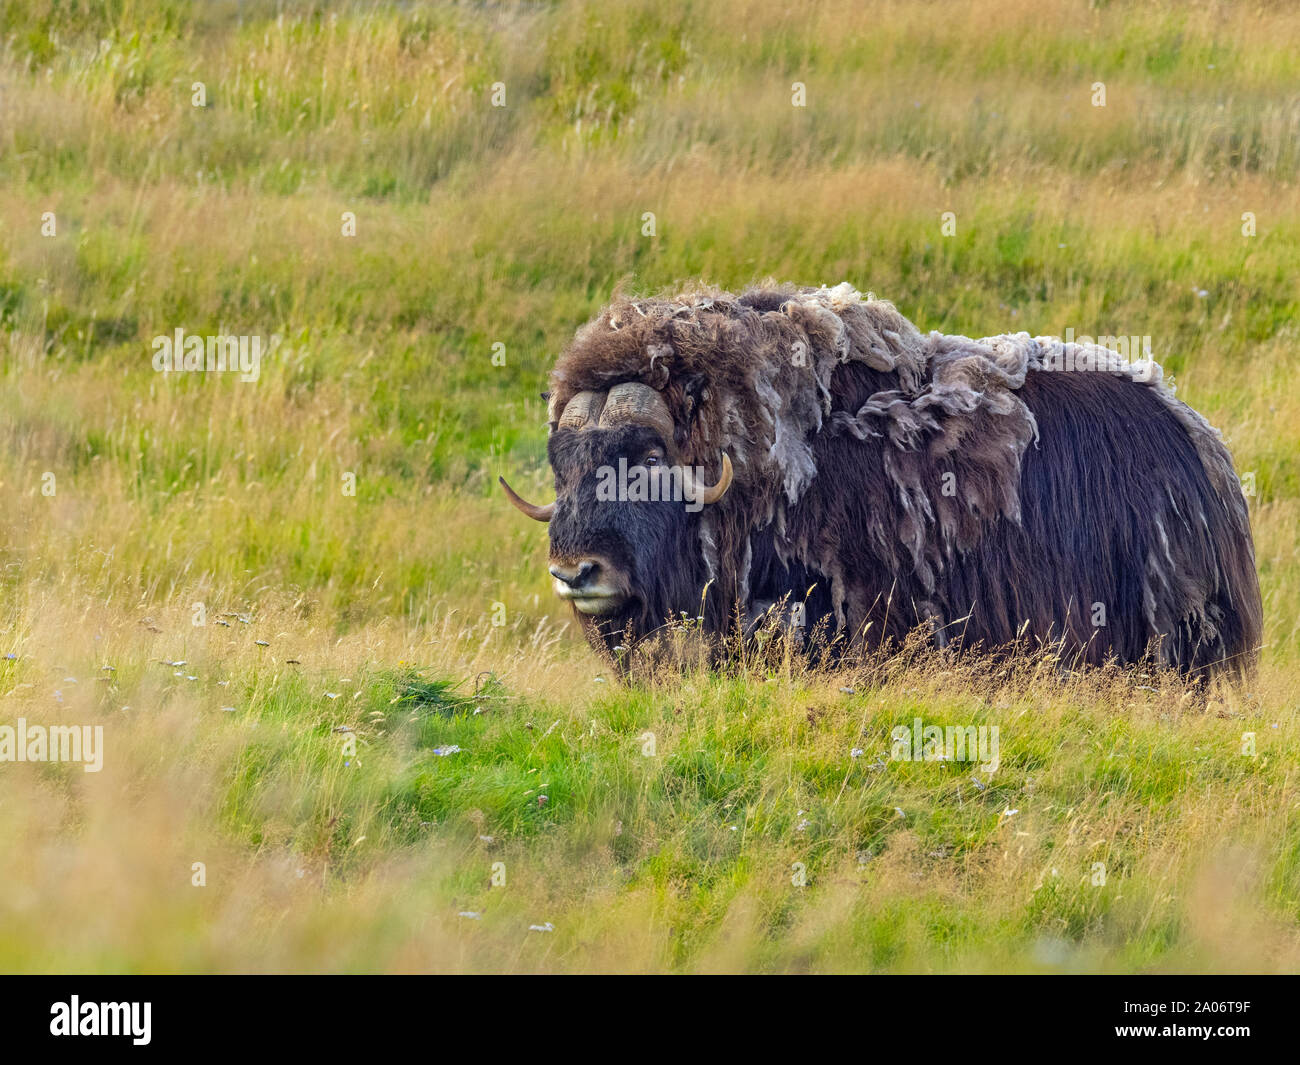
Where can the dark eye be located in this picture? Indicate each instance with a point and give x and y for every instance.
(653, 459)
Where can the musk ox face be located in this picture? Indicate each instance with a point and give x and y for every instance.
(610, 547)
(623, 543)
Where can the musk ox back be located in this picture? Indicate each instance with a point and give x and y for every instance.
(714, 454)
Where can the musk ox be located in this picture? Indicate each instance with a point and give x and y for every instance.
(714, 454)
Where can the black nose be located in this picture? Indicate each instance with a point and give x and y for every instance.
(574, 576)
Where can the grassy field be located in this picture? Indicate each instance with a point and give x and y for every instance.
(378, 709)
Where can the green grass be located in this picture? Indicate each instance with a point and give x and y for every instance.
(421, 602)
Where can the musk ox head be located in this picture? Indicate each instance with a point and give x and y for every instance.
(678, 427)
(622, 521)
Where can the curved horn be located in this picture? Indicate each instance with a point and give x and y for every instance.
(531, 509)
(707, 493)
(582, 410)
(638, 404)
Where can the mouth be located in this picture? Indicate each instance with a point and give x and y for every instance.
(596, 600)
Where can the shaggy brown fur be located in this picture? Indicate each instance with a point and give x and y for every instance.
(972, 483)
